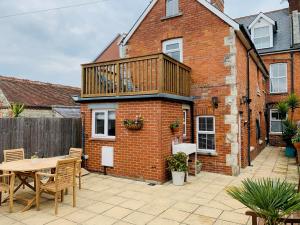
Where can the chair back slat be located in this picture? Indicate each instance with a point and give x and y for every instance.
(65, 173)
(75, 153)
(14, 155)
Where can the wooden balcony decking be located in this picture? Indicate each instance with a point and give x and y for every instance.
(144, 75)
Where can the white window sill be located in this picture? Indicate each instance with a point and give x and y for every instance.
(279, 93)
(208, 153)
(171, 16)
(102, 139)
(275, 133)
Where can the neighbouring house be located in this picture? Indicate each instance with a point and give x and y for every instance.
(276, 35)
(185, 61)
(40, 99)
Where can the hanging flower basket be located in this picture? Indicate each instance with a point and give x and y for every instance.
(175, 126)
(135, 124)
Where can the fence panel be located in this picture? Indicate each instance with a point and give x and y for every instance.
(46, 136)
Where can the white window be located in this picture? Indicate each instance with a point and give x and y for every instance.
(184, 122)
(275, 122)
(206, 133)
(173, 48)
(172, 7)
(262, 37)
(278, 78)
(104, 124)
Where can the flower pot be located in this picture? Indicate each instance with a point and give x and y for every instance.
(290, 152)
(175, 130)
(297, 146)
(198, 168)
(134, 126)
(178, 178)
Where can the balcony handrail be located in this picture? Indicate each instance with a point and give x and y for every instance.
(149, 74)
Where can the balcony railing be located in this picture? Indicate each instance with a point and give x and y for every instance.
(151, 74)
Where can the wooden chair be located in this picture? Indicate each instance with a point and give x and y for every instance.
(77, 153)
(292, 220)
(7, 184)
(14, 155)
(63, 178)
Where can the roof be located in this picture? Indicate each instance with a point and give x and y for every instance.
(37, 94)
(111, 51)
(205, 3)
(282, 38)
(67, 112)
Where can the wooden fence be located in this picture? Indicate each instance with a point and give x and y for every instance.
(46, 136)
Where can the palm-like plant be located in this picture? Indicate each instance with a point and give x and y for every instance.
(17, 109)
(293, 102)
(283, 109)
(269, 199)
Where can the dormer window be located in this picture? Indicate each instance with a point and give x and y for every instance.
(262, 31)
(262, 37)
(172, 7)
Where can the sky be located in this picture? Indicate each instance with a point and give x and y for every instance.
(50, 46)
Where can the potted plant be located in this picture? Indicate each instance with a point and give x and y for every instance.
(289, 131)
(198, 166)
(282, 200)
(175, 126)
(135, 124)
(296, 141)
(177, 164)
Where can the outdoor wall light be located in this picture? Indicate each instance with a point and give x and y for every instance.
(215, 102)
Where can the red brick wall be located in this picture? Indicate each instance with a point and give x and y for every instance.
(257, 106)
(137, 154)
(273, 99)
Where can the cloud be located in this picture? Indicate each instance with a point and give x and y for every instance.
(50, 46)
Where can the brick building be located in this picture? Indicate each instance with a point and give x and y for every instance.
(40, 99)
(277, 38)
(186, 61)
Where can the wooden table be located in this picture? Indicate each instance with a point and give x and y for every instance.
(29, 166)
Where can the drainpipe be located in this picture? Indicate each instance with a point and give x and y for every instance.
(248, 107)
(292, 73)
(192, 124)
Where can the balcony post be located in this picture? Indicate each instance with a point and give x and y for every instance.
(177, 78)
(118, 78)
(161, 73)
(83, 82)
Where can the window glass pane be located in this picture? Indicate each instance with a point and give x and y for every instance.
(202, 141)
(275, 116)
(282, 85)
(111, 123)
(263, 42)
(261, 31)
(210, 141)
(278, 82)
(210, 124)
(275, 126)
(99, 120)
(174, 46)
(174, 55)
(172, 7)
(202, 124)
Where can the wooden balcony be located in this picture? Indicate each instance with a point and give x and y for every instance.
(151, 74)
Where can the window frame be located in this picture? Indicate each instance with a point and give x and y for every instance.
(172, 13)
(273, 132)
(105, 135)
(185, 112)
(261, 25)
(286, 77)
(173, 41)
(211, 151)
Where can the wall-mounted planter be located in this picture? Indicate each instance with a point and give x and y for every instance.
(136, 124)
(175, 126)
(175, 129)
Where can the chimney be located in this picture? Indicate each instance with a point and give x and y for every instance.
(296, 27)
(219, 4)
(294, 5)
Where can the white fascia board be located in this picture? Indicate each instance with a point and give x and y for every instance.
(261, 15)
(220, 14)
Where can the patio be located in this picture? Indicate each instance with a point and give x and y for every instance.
(109, 200)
